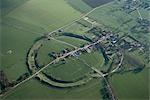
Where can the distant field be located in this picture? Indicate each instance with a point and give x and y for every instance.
(96, 3)
(79, 5)
(9, 5)
(79, 27)
(110, 15)
(73, 41)
(25, 21)
(38, 12)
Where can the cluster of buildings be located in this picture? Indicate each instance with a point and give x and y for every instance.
(131, 5)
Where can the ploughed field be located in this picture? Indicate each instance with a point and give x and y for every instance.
(96, 3)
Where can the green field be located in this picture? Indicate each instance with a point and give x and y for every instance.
(48, 47)
(74, 41)
(74, 69)
(80, 5)
(131, 86)
(8, 5)
(18, 42)
(110, 15)
(33, 89)
(20, 27)
(43, 16)
(23, 22)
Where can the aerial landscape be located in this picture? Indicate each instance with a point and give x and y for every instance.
(74, 49)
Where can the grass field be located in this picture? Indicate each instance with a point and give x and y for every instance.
(77, 29)
(24, 21)
(131, 86)
(72, 65)
(74, 41)
(48, 47)
(70, 71)
(74, 69)
(96, 3)
(8, 5)
(20, 27)
(31, 90)
(43, 16)
(18, 42)
(134, 59)
(79, 5)
(110, 15)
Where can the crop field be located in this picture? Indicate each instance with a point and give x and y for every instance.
(30, 90)
(110, 15)
(73, 41)
(79, 5)
(42, 14)
(77, 28)
(7, 5)
(74, 49)
(96, 3)
(17, 28)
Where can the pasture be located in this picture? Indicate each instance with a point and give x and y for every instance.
(47, 14)
(18, 42)
(96, 3)
(131, 85)
(74, 68)
(23, 22)
(79, 5)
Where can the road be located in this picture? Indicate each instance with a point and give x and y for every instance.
(101, 75)
(78, 18)
(56, 60)
(119, 65)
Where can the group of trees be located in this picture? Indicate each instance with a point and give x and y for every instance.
(96, 31)
(141, 27)
(6, 84)
(106, 94)
(131, 5)
(23, 77)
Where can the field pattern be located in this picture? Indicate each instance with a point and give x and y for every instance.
(75, 50)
